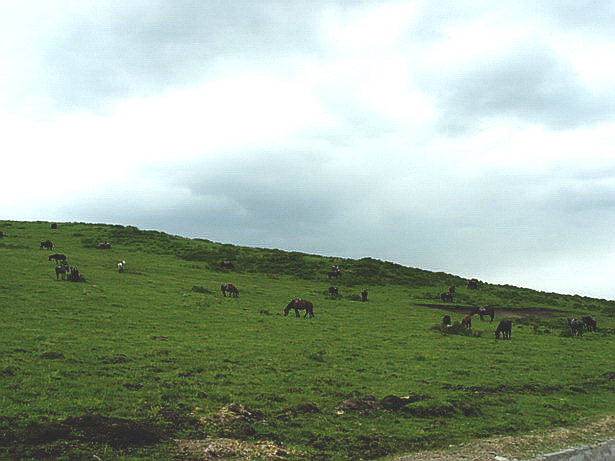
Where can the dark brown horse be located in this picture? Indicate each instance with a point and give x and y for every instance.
(576, 327)
(504, 328)
(299, 305)
(47, 244)
(231, 289)
(57, 257)
(61, 271)
(473, 284)
(590, 323)
(446, 297)
(334, 274)
(484, 311)
(333, 291)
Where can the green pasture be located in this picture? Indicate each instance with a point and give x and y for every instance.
(124, 364)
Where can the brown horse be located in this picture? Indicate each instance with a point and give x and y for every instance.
(299, 305)
(231, 289)
(446, 297)
(484, 311)
(467, 321)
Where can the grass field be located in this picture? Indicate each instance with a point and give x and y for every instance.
(124, 365)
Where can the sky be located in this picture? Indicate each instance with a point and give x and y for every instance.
(474, 137)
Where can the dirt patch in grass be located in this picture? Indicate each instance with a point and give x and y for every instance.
(521, 447)
(222, 448)
(500, 312)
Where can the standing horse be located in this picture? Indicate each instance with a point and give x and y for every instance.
(484, 311)
(61, 271)
(231, 289)
(47, 244)
(226, 265)
(446, 296)
(121, 265)
(576, 327)
(446, 321)
(57, 257)
(299, 305)
(334, 274)
(333, 291)
(473, 284)
(467, 321)
(505, 328)
(590, 323)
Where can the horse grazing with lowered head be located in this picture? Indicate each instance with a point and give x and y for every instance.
(300, 305)
(446, 297)
(226, 265)
(333, 291)
(231, 289)
(47, 244)
(484, 311)
(57, 257)
(505, 328)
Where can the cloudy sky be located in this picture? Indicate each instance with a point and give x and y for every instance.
(474, 137)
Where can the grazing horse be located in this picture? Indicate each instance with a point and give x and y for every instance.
(484, 311)
(57, 257)
(473, 284)
(364, 296)
(61, 271)
(121, 265)
(333, 291)
(47, 244)
(576, 326)
(230, 289)
(103, 246)
(590, 323)
(467, 321)
(446, 297)
(446, 321)
(226, 265)
(504, 327)
(334, 274)
(299, 305)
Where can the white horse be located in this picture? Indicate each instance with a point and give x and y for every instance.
(120, 265)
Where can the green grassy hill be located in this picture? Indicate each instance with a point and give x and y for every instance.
(147, 363)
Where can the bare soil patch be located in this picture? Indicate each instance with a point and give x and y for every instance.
(500, 312)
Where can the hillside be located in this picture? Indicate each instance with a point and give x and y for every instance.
(151, 362)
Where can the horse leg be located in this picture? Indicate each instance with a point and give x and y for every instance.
(297, 313)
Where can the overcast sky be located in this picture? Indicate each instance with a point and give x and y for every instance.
(465, 136)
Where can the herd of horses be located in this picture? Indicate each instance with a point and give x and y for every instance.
(504, 328)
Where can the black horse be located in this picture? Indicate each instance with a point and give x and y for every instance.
(47, 244)
(364, 294)
(230, 289)
(505, 328)
(590, 323)
(299, 305)
(54, 225)
(57, 257)
(334, 274)
(333, 291)
(75, 276)
(484, 311)
(103, 246)
(61, 271)
(446, 320)
(446, 297)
